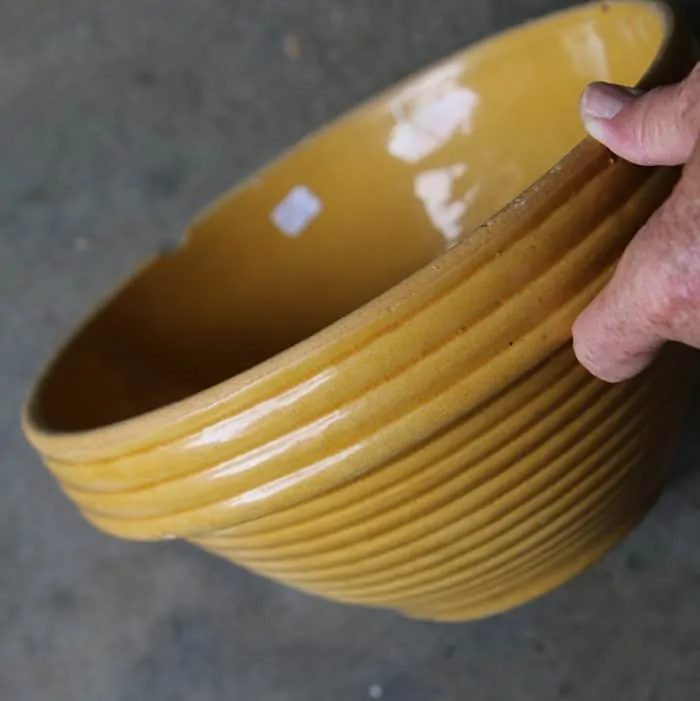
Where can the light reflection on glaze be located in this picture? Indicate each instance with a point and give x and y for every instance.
(296, 211)
(434, 188)
(231, 428)
(429, 114)
(279, 485)
(274, 449)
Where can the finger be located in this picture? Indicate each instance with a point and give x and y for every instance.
(611, 344)
(623, 329)
(656, 128)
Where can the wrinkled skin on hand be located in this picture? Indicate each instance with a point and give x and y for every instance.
(654, 294)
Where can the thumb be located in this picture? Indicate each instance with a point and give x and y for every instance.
(656, 128)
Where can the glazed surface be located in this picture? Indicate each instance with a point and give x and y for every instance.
(439, 451)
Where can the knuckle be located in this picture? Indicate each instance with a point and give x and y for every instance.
(661, 306)
(647, 131)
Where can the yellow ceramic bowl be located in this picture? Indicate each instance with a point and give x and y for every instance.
(345, 381)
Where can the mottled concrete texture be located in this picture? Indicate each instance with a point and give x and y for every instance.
(119, 118)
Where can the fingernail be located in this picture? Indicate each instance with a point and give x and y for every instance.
(605, 101)
(600, 103)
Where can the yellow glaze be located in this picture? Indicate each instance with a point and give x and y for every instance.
(346, 381)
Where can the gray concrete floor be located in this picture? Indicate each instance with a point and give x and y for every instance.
(118, 119)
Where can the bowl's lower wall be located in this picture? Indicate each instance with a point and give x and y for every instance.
(476, 538)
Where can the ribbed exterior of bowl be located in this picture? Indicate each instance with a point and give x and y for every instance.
(446, 457)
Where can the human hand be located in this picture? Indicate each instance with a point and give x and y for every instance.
(654, 294)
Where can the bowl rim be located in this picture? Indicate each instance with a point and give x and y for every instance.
(135, 430)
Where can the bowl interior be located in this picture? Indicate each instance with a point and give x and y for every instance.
(346, 215)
